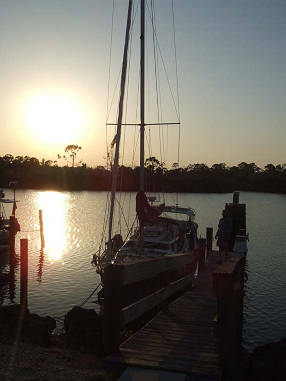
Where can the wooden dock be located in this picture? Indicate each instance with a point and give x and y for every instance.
(182, 337)
(196, 332)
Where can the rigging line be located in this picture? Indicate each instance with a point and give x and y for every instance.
(119, 74)
(177, 83)
(126, 102)
(129, 200)
(128, 81)
(114, 92)
(136, 133)
(128, 76)
(165, 70)
(59, 318)
(90, 295)
(148, 90)
(167, 142)
(109, 71)
(135, 143)
(130, 230)
(106, 213)
(176, 61)
(155, 73)
(122, 212)
(158, 89)
(129, 65)
(124, 127)
(160, 109)
(110, 55)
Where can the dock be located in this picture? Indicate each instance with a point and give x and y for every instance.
(182, 337)
(196, 330)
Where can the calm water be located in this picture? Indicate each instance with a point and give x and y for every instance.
(62, 276)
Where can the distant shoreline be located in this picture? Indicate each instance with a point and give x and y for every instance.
(194, 178)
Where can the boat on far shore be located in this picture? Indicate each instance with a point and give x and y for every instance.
(9, 225)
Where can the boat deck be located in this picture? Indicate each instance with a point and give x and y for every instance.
(181, 338)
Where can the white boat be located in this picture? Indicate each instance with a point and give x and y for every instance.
(162, 229)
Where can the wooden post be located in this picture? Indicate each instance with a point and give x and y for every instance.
(24, 272)
(237, 212)
(12, 280)
(112, 307)
(235, 197)
(12, 234)
(202, 253)
(209, 235)
(228, 281)
(41, 229)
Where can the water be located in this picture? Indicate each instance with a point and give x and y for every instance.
(62, 276)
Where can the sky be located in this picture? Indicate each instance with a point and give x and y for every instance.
(59, 72)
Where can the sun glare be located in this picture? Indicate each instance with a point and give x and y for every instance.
(53, 205)
(54, 118)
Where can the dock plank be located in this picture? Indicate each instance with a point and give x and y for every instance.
(182, 337)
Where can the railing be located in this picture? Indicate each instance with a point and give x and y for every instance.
(133, 289)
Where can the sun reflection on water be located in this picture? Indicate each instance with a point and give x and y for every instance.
(54, 207)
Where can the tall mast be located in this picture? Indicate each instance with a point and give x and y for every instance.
(118, 131)
(142, 93)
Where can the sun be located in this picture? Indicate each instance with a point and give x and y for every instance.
(53, 118)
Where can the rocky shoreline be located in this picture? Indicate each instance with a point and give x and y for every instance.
(30, 351)
(23, 362)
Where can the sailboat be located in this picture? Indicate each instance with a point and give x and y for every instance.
(162, 229)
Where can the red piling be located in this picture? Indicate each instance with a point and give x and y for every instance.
(24, 272)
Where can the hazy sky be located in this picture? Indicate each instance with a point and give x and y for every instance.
(231, 67)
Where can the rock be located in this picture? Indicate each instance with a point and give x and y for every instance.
(83, 329)
(28, 327)
(269, 362)
(11, 311)
(9, 320)
(38, 330)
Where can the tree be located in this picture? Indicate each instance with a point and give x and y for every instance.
(219, 168)
(72, 150)
(152, 164)
(270, 168)
(248, 169)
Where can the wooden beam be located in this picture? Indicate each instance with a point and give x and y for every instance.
(137, 309)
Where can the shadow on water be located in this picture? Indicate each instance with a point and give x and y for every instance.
(40, 266)
(9, 263)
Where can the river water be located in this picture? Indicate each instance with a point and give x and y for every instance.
(62, 276)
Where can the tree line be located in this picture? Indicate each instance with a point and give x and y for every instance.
(30, 173)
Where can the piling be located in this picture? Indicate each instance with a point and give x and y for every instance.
(209, 243)
(24, 272)
(12, 234)
(112, 304)
(228, 281)
(235, 197)
(202, 253)
(237, 212)
(12, 279)
(41, 229)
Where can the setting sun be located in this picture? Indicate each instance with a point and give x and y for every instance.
(53, 118)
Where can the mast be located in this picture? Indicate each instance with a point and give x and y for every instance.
(118, 131)
(142, 93)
